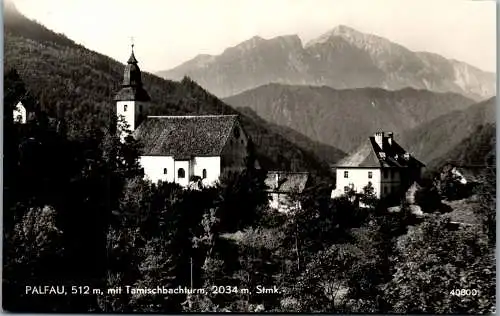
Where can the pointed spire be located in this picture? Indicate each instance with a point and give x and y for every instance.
(132, 59)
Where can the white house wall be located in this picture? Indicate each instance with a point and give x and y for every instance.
(184, 164)
(20, 111)
(210, 164)
(154, 168)
(358, 179)
(281, 202)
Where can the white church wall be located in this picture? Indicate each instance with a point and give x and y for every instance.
(357, 178)
(154, 168)
(19, 114)
(212, 166)
(180, 165)
(130, 110)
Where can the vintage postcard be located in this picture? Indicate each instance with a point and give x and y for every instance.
(332, 156)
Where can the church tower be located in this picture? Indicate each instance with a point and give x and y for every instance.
(132, 100)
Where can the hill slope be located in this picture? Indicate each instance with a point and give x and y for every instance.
(476, 150)
(323, 151)
(79, 84)
(345, 118)
(342, 58)
(450, 136)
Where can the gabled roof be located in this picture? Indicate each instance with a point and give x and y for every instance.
(184, 137)
(372, 155)
(287, 181)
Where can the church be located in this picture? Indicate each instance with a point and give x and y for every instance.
(179, 149)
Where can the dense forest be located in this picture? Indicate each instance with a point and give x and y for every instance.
(78, 214)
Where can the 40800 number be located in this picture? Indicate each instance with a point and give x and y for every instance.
(464, 292)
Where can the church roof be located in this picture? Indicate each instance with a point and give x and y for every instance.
(131, 59)
(184, 137)
(287, 181)
(132, 89)
(372, 155)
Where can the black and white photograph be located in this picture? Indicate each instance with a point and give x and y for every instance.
(249, 156)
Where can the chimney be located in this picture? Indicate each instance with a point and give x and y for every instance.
(390, 137)
(379, 136)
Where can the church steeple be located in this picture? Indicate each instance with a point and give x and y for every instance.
(132, 100)
(132, 89)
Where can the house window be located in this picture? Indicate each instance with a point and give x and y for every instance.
(19, 118)
(236, 133)
(370, 174)
(346, 189)
(140, 108)
(386, 173)
(393, 173)
(181, 173)
(164, 170)
(125, 108)
(204, 173)
(346, 174)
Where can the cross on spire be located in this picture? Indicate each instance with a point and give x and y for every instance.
(132, 59)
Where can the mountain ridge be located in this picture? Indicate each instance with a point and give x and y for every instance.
(343, 118)
(340, 58)
(436, 139)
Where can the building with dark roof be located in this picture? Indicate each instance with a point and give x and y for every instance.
(280, 186)
(381, 162)
(179, 149)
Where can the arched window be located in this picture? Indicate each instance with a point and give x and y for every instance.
(181, 173)
(204, 173)
(164, 170)
(125, 108)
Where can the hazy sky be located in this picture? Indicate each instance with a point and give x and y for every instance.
(169, 32)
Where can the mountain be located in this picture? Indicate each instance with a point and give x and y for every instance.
(325, 152)
(476, 150)
(451, 136)
(73, 82)
(342, 58)
(345, 118)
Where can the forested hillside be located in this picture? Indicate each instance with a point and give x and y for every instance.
(434, 141)
(477, 150)
(345, 118)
